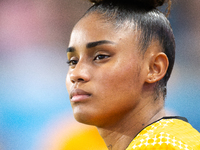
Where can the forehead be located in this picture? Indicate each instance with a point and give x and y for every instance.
(94, 28)
(94, 20)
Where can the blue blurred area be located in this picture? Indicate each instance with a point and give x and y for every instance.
(32, 91)
(33, 40)
(184, 98)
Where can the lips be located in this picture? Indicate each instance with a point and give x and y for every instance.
(77, 95)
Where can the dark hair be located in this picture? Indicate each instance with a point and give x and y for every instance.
(145, 17)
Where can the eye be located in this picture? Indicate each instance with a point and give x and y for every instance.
(101, 56)
(72, 62)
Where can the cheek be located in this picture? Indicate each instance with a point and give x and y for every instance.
(119, 80)
(117, 90)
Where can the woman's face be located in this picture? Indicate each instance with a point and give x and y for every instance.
(105, 76)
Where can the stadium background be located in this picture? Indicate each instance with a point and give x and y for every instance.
(35, 112)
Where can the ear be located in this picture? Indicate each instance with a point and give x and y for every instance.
(158, 66)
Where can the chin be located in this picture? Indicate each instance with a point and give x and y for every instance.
(84, 117)
(90, 119)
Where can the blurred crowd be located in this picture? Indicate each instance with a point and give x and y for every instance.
(34, 104)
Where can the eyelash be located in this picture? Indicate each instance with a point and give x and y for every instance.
(72, 62)
(104, 56)
(98, 57)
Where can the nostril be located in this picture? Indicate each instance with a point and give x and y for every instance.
(80, 79)
(72, 81)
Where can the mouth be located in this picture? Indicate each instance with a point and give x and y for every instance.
(78, 95)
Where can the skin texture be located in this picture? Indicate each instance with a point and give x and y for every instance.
(111, 84)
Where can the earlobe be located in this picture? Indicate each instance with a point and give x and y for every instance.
(157, 67)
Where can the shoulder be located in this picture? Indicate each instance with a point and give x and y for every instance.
(165, 134)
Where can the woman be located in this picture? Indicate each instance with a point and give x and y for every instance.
(121, 54)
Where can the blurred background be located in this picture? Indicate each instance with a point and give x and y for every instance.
(35, 113)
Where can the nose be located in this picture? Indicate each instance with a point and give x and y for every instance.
(80, 73)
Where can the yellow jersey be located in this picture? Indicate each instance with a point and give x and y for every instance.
(168, 133)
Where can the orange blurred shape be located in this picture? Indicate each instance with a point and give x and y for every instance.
(67, 134)
(87, 139)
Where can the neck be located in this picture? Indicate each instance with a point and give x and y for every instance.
(120, 134)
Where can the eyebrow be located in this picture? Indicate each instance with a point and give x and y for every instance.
(70, 49)
(96, 43)
(91, 45)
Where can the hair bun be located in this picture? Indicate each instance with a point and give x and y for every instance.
(150, 3)
(141, 3)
